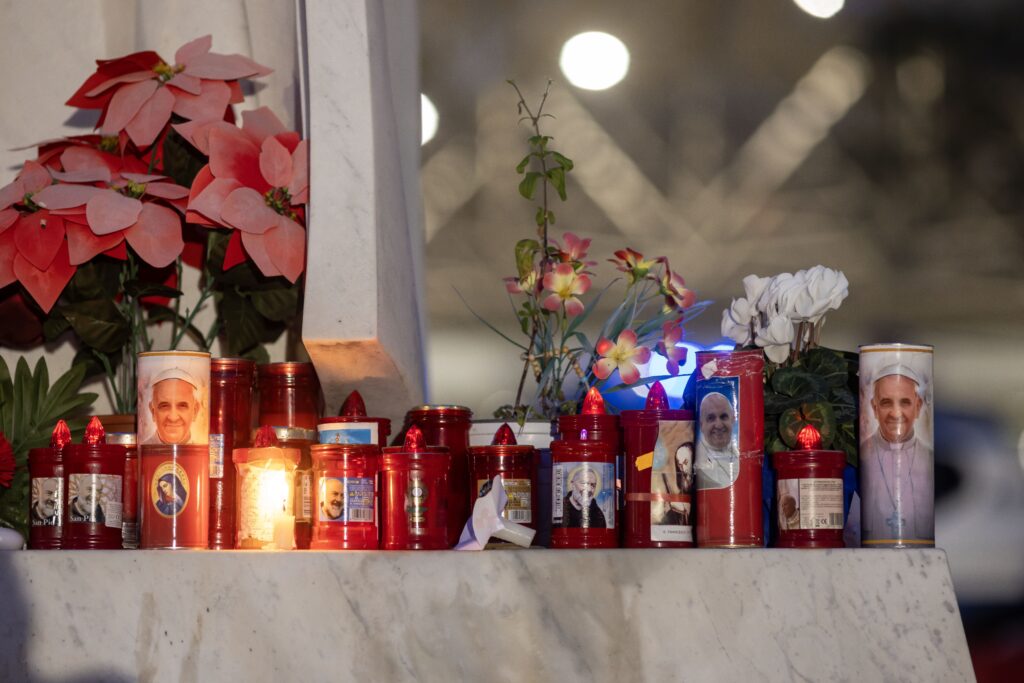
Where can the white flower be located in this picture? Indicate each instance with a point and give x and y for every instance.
(781, 295)
(775, 339)
(826, 290)
(736, 321)
(754, 287)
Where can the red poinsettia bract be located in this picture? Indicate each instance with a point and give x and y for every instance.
(257, 182)
(138, 93)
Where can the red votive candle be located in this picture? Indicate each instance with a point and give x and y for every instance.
(46, 505)
(448, 426)
(130, 489)
(175, 496)
(660, 447)
(232, 381)
(290, 397)
(353, 426)
(809, 494)
(94, 479)
(730, 449)
(415, 493)
(345, 487)
(515, 464)
(583, 511)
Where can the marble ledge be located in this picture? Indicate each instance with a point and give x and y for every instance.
(623, 615)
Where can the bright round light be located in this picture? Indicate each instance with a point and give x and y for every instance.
(428, 119)
(822, 9)
(594, 60)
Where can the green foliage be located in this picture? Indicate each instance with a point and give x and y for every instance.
(29, 408)
(819, 389)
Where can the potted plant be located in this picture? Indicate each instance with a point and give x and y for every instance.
(558, 346)
(97, 230)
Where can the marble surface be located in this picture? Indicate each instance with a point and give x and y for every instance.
(362, 323)
(625, 615)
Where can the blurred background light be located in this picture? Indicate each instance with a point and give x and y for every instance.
(594, 60)
(428, 119)
(822, 9)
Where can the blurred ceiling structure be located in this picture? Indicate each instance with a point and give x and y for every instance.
(747, 137)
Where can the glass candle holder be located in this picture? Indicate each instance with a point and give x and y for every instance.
(232, 382)
(265, 480)
(345, 485)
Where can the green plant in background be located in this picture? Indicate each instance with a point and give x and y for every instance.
(805, 383)
(29, 409)
(564, 358)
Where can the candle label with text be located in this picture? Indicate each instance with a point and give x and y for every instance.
(169, 489)
(304, 503)
(216, 456)
(95, 499)
(583, 495)
(47, 501)
(671, 482)
(347, 499)
(416, 495)
(810, 504)
(348, 432)
(517, 508)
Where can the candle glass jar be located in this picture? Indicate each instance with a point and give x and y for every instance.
(345, 478)
(130, 489)
(175, 496)
(232, 381)
(448, 426)
(518, 472)
(809, 498)
(264, 496)
(584, 514)
(415, 498)
(289, 397)
(46, 472)
(93, 484)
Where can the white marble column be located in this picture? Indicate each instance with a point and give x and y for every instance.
(362, 320)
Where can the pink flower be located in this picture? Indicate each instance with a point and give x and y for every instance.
(565, 284)
(575, 249)
(673, 288)
(104, 208)
(623, 355)
(633, 264)
(256, 182)
(33, 248)
(138, 93)
(672, 334)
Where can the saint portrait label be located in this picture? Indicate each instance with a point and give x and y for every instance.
(583, 495)
(348, 432)
(517, 508)
(810, 504)
(95, 499)
(47, 501)
(347, 499)
(169, 489)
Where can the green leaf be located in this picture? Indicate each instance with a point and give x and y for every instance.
(492, 327)
(242, 324)
(563, 161)
(526, 251)
(88, 359)
(776, 404)
(63, 391)
(799, 383)
(258, 355)
(97, 279)
(24, 393)
(521, 166)
(98, 324)
(582, 317)
(6, 399)
(557, 177)
(818, 413)
(138, 289)
(41, 377)
(279, 303)
(54, 326)
(828, 365)
(181, 161)
(529, 184)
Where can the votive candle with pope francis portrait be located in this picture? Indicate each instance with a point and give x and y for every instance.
(174, 398)
(897, 464)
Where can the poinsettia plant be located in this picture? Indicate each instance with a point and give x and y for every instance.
(805, 383)
(95, 232)
(553, 276)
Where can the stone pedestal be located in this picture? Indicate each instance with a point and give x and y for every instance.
(361, 321)
(625, 615)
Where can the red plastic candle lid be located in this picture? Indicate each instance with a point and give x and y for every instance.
(61, 436)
